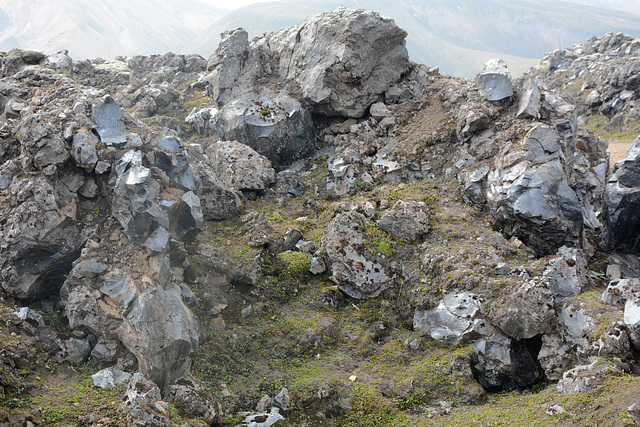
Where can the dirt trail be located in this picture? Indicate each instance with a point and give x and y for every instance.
(618, 150)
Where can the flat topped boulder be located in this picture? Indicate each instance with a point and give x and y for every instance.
(494, 81)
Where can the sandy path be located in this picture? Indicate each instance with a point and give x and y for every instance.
(618, 150)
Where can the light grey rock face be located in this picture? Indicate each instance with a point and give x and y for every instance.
(529, 195)
(337, 62)
(526, 311)
(240, 167)
(72, 350)
(567, 272)
(494, 81)
(587, 378)
(622, 202)
(356, 273)
(273, 124)
(110, 377)
(407, 220)
(450, 319)
(218, 202)
(529, 103)
(632, 314)
(108, 119)
(192, 399)
(162, 333)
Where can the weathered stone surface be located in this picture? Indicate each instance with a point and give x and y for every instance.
(162, 333)
(526, 311)
(619, 290)
(494, 81)
(587, 378)
(108, 118)
(502, 363)
(146, 415)
(264, 419)
(193, 400)
(110, 377)
(83, 150)
(450, 319)
(407, 220)
(567, 272)
(529, 103)
(39, 237)
(529, 195)
(357, 274)
(240, 167)
(340, 61)
(273, 124)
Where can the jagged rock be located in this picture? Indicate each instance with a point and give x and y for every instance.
(407, 220)
(133, 204)
(146, 415)
(494, 81)
(634, 413)
(39, 235)
(502, 363)
(28, 315)
(273, 124)
(450, 319)
(110, 377)
(240, 167)
(526, 311)
(108, 119)
(587, 378)
(281, 400)
(140, 390)
(622, 202)
(162, 333)
(317, 265)
(185, 217)
(193, 400)
(362, 54)
(555, 356)
(178, 168)
(44, 145)
(217, 201)
(83, 150)
(203, 121)
(379, 111)
(529, 195)
(529, 104)
(567, 272)
(355, 273)
(264, 403)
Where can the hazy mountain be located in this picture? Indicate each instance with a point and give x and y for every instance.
(459, 36)
(630, 6)
(103, 27)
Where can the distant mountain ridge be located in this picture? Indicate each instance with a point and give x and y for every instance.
(458, 36)
(90, 29)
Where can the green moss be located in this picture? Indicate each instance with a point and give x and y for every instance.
(379, 241)
(296, 264)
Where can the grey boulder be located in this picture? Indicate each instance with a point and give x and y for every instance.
(494, 81)
(407, 220)
(355, 271)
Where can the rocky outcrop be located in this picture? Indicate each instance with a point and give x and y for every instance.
(494, 81)
(335, 64)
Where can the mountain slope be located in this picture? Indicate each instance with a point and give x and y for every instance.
(459, 36)
(101, 27)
